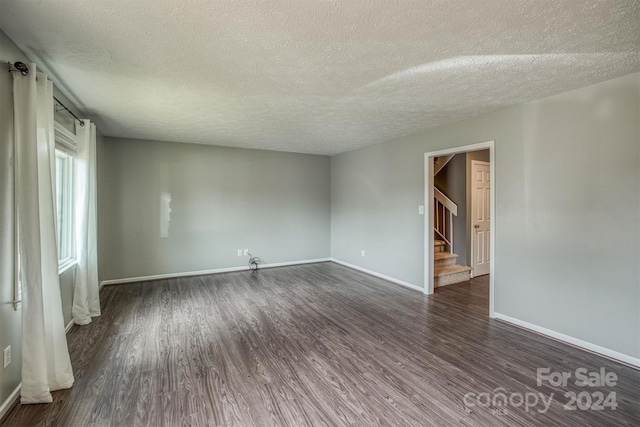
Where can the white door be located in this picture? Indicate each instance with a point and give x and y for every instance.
(480, 217)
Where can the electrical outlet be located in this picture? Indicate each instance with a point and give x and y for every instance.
(239, 252)
(246, 251)
(7, 356)
(362, 253)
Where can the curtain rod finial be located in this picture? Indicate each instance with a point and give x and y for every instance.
(20, 67)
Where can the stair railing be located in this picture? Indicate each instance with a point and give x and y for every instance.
(445, 209)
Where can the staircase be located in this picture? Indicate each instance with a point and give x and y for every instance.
(445, 269)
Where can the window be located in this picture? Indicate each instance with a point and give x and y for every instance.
(65, 208)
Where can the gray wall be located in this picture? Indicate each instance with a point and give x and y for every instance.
(10, 320)
(567, 191)
(452, 181)
(222, 199)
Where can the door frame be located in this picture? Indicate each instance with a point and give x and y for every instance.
(428, 217)
(470, 218)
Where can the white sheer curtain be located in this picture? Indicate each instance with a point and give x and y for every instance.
(45, 357)
(86, 301)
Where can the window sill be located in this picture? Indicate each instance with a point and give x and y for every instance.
(66, 266)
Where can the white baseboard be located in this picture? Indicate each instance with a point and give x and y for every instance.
(68, 327)
(575, 342)
(382, 276)
(8, 403)
(205, 272)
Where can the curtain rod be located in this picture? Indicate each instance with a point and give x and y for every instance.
(23, 69)
(69, 111)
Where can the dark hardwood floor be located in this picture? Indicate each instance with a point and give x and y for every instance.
(315, 345)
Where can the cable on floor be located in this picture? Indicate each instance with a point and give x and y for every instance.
(254, 262)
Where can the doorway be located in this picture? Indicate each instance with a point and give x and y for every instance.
(488, 245)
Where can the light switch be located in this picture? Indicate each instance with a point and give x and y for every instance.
(421, 209)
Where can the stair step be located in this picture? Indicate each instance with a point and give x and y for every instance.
(439, 246)
(449, 269)
(451, 274)
(443, 259)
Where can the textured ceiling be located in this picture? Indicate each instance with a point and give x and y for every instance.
(316, 76)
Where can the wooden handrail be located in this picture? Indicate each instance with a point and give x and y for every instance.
(444, 209)
(445, 201)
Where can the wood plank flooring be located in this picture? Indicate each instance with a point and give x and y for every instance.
(312, 345)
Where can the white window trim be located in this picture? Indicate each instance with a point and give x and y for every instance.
(67, 265)
(65, 141)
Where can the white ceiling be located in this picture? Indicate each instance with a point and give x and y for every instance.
(316, 76)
